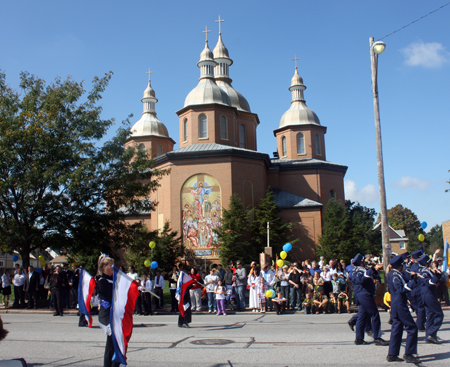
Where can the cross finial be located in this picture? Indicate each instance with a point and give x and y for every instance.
(219, 21)
(206, 32)
(149, 72)
(295, 59)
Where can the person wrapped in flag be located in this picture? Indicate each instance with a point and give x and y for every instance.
(105, 291)
(184, 283)
(86, 288)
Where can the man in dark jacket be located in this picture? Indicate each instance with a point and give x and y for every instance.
(32, 287)
(58, 282)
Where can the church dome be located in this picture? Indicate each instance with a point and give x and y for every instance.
(149, 125)
(299, 114)
(206, 92)
(236, 99)
(206, 54)
(220, 51)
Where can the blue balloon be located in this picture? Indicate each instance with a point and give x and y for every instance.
(287, 247)
(424, 225)
(15, 258)
(154, 265)
(38, 270)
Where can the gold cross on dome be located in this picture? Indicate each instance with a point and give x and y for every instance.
(295, 59)
(219, 21)
(149, 72)
(206, 32)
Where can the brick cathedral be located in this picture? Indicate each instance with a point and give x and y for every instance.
(218, 157)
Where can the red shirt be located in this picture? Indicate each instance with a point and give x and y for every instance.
(198, 278)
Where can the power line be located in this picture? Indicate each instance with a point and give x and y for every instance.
(431, 12)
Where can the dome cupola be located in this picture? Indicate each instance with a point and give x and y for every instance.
(298, 113)
(206, 91)
(149, 124)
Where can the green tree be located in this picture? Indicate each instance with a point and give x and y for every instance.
(347, 230)
(167, 252)
(436, 238)
(59, 187)
(268, 211)
(234, 234)
(400, 217)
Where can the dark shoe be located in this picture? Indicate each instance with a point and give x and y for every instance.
(409, 358)
(351, 325)
(381, 341)
(360, 342)
(186, 325)
(390, 358)
(432, 340)
(56, 314)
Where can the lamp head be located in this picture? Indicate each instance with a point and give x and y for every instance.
(379, 47)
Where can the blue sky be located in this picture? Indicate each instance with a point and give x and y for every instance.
(331, 39)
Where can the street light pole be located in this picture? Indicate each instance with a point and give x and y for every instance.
(376, 48)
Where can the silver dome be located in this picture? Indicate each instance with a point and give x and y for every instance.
(206, 54)
(207, 91)
(149, 125)
(296, 79)
(299, 114)
(237, 99)
(220, 51)
(149, 92)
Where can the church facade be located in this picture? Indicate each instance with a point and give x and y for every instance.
(218, 158)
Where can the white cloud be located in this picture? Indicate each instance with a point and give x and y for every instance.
(428, 55)
(408, 182)
(367, 194)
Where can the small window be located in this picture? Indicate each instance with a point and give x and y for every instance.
(185, 130)
(300, 143)
(202, 127)
(1, 263)
(332, 194)
(402, 245)
(223, 128)
(242, 137)
(284, 146)
(318, 148)
(159, 150)
(142, 147)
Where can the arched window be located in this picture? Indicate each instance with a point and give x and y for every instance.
(318, 148)
(332, 194)
(242, 137)
(202, 127)
(142, 147)
(300, 143)
(159, 150)
(284, 146)
(223, 128)
(185, 130)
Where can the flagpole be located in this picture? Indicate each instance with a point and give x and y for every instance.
(148, 290)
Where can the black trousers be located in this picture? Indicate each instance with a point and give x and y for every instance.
(187, 319)
(109, 353)
(138, 305)
(19, 297)
(74, 296)
(147, 300)
(174, 306)
(159, 302)
(57, 300)
(33, 297)
(279, 308)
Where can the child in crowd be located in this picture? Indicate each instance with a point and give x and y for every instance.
(279, 303)
(307, 303)
(261, 290)
(320, 301)
(318, 281)
(220, 292)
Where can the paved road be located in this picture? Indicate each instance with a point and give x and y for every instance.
(212, 341)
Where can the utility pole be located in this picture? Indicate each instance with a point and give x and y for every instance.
(376, 48)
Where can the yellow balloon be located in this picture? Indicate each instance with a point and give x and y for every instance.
(280, 263)
(283, 254)
(421, 237)
(147, 263)
(152, 244)
(269, 293)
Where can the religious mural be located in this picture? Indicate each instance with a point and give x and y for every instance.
(201, 204)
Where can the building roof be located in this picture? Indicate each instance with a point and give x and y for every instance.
(286, 200)
(395, 235)
(307, 163)
(59, 260)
